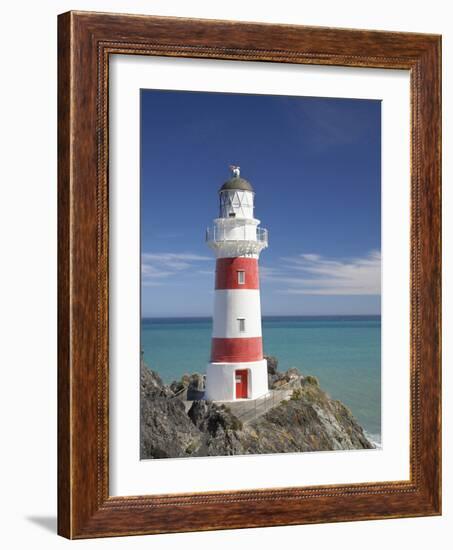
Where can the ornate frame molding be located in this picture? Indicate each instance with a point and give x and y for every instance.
(86, 40)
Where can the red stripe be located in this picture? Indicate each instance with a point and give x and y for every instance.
(226, 274)
(236, 350)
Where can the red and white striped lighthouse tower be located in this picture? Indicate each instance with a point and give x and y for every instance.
(237, 369)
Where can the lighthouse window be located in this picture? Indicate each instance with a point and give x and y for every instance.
(241, 277)
(241, 324)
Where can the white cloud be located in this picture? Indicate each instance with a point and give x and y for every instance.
(269, 273)
(159, 266)
(306, 273)
(316, 275)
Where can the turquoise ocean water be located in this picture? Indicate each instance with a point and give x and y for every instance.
(344, 353)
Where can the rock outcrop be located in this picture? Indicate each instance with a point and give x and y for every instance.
(309, 420)
(165, 429)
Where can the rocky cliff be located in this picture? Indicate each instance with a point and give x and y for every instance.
(175, 422)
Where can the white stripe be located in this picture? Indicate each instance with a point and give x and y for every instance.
(232, 305)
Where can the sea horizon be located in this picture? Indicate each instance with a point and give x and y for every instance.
(301, 316)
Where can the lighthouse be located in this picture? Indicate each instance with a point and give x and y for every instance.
(237, 369)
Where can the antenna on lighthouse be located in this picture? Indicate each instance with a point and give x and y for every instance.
(236, 170)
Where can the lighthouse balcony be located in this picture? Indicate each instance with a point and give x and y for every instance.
(237, 240)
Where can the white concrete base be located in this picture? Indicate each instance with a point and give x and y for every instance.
(221, 385)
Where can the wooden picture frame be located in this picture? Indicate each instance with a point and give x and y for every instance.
(85, 42)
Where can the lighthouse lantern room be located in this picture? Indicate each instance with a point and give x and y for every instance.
(237, 369)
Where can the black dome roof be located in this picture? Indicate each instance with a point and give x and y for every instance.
(236, 182)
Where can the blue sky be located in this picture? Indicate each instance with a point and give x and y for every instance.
(315, 165)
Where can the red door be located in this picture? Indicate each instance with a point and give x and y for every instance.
(241, 377)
